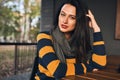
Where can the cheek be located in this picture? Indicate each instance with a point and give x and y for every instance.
(73, 24)
(59, 21)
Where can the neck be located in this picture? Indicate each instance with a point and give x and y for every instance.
(67, 35)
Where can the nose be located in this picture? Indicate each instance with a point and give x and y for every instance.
(65, 20)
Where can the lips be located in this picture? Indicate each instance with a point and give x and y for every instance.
(64, 26)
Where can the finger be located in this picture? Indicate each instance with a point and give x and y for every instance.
(95, 69)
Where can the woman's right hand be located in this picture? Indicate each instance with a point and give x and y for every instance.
(95, 70)
(92, 23)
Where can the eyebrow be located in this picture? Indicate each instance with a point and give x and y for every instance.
(70, 14)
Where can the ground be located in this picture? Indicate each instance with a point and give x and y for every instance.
(24, 76)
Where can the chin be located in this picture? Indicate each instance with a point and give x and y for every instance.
(62, 30)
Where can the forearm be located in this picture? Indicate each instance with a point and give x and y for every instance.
(99, 55)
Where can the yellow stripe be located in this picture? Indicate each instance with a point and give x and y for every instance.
(85, 70)
(45, 50)
(70, 69)
(52, 66)
(99, 59)
(43, 35)
(45, 71)
(98, 43)
(37, 77)
(71, 60)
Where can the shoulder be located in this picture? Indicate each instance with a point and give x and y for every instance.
(44, 35)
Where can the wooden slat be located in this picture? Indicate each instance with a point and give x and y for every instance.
(111, 68)
(77, 77)
(108, 74)
(99, 77)
(85, 77)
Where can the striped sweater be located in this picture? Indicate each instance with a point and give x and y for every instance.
(50, 67)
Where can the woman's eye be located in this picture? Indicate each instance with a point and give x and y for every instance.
(62, 14)
(72, 17)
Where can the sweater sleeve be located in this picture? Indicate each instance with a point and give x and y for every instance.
(50, 61)
(99, 55)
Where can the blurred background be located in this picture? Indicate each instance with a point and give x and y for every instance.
(19, 20)
(19, 26)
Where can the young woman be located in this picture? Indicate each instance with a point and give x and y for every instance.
(66, 49)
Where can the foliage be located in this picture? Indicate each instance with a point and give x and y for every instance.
(10, 19)
(33, 33)
(9, 22)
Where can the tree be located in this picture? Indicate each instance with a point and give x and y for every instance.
(32, 10)
(18, 24)
(9, 21)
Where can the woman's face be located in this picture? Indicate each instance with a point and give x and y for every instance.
(67, 18)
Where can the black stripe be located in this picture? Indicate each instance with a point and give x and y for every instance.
(79, 69)
(95, 65)
(41, 63)
(48, 58)
(42, 76)
(44, 42)
(97, 36)
(89, 67)
(60, 71)
(99, 49)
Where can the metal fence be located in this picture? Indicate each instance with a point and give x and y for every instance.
(16, 58)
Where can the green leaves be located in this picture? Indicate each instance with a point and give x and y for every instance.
(12, 21)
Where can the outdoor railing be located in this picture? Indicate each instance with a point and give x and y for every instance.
(16, 58)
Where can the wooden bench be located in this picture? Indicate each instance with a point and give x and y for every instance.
(111, 71)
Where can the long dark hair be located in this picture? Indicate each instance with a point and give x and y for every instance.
(81, 35)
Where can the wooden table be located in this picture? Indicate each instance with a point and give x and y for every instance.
(109, 73)
(99, 75)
